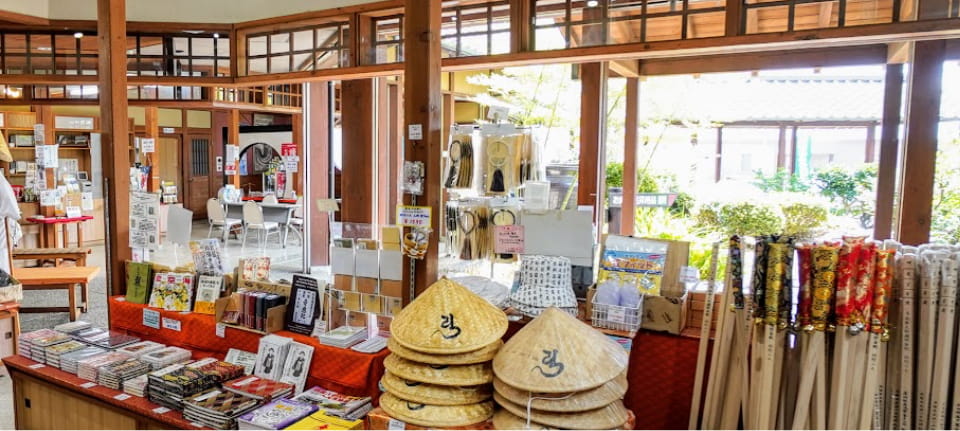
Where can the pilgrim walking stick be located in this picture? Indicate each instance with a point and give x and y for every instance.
(704, 340)
(840, 375)
(872, 400)
(719, 382)
(943, 363)
(733, 402)
(907, 267)
(930, 262)
(860, 321)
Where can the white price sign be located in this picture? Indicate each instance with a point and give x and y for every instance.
(413, 216)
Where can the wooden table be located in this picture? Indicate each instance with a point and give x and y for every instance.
(52, 222)
(64, 278)
(280, 213)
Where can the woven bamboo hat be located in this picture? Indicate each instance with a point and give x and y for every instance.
(556, 353)
(504, 420)
(484, 354)
(446, 319)
(446, 375)
(613, 415)
(435, 416)
(435, 394)
(571, 402)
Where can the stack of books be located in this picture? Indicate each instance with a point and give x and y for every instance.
(165, 357)
(71, 327)
(54, 352)
(69, 361)
(275, 415)
(113, 375)
(87, 369)
(171, 388)
(217, 371)
(136, 386)
(218, 409)
(336, 404)
(259, 388)
(33, 344)
(104, 338)
(344, 336)
(137, 350)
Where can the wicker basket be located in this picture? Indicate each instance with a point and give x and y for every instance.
(13, 292)
(617, 317)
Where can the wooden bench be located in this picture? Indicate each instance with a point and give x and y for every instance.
(76, 254)
(58, 279)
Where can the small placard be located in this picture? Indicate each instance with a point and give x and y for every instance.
(37, 366)
(161, 410)
(394, 424)
(508, 239)
(148, 145)
(497, 113)
(689, 274)
(413, 216)
(151, 318)
(121, 397)
(88, 385)
(415, 132)
(169, 130)
(221, 330)
(616, 314)
(74, 212)
(173, 325)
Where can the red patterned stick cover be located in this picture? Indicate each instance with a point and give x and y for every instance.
(846, 280)
(883, 285)
(863, 290)
(805, 307)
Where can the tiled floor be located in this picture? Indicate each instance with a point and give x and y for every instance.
(284, 263)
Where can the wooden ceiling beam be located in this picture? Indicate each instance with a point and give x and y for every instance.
(847, 56)
(20, 18)
(625, 68)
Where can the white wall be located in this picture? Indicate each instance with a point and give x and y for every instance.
(212, 11)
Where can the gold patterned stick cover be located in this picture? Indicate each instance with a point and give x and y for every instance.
(824, 260)
(883, 284)
(776, 269)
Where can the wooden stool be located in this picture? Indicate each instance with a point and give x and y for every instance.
(76, 254)
(58, 279)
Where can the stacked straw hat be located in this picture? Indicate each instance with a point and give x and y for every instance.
(558, 372)
(439, 372)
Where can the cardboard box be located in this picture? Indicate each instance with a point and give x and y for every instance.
(351, 301)
(666, 314)
(392, 288)
(343, 282)
(372, 304)
(275, 315)
(367, 263)
(696, 304)
(366, 285)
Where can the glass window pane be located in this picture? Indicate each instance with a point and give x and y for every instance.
(257, 46)
(257, 66)
(280, 64)
(41, 43)
(302, 62)
(280, 43)
(203, 46)
(303, 40)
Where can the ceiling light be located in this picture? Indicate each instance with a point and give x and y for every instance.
(453, 18)
(78, 34)
(13, 92)
(193, 31)
(43, 48)
(593, 3)
(216, 35)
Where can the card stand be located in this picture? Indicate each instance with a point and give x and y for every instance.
(274, 318)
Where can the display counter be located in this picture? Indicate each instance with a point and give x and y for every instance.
(342, 370)
(47, 398)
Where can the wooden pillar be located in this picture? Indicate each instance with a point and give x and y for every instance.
(297, 122)
(318, 98)
(422, 105)
(591, 182)
(889, 149)
(356, 119)
(152, 128)
(112, 67)
(920, 149)
(733, 21)
(395, 102)
(718, 165)
(782, 148)
(386, 152)
(48, 235)
(628, 211)
(870, 145)
(520, 20)
(233, 138)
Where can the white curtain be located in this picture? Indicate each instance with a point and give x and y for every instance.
(8, 211)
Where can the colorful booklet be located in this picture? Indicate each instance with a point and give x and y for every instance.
(276, 415)
(320, 421)
(139, 276)
(333, 403)
(208, 291)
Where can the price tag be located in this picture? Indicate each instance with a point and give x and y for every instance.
(689, 274)
(394, 424)
(413, 216)
(415, 132)
(508, 239)
(173, 325)
(37, 366)
(151, 318)
(196, 425)
(161, 410)
(616, 315)
(120, 299)
(122, 397)
(88, 385)
(221, 330)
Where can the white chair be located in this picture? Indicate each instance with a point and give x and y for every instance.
(253, 219)
(296, 222)
(271, 199)
(218, 219)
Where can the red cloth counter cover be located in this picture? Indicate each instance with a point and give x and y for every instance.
(57, 220)
(341, 370)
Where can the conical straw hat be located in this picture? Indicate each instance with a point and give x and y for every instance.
(611, 416)
(484, 354)
(5, 155)
(556, 353)
(446, 375)
(504, 420)
(572, 402)
(435, 394)
(435, 416)
(448, 318)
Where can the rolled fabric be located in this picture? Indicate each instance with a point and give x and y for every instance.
(883, 286)
(805, 303)
(824, 261)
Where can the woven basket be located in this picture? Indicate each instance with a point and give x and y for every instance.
(12, 293)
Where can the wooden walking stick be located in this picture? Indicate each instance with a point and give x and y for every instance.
(907, 267)
(768, 389)
(733, 403)
(859, 323)
(840, 375)
(759, 333)
(930, 262)
(704, 340)
(943, 361)
(872, 401)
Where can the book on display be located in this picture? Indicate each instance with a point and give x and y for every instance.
(259, 387)
(335, 403)
(217, 408)
(275, 415)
